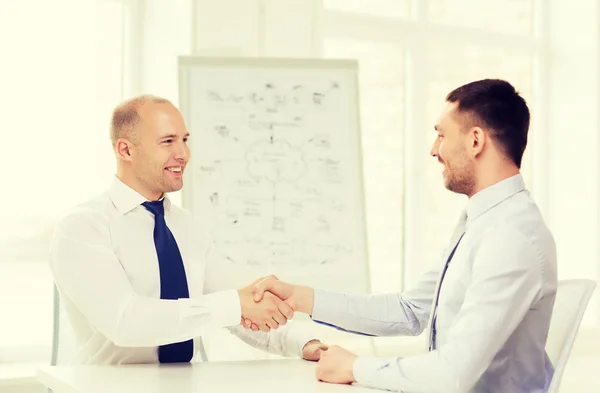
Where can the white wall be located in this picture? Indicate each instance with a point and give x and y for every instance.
(571, 132)
(166, 33)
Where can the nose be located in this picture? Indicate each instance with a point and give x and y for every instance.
(182, 152)
(434, 149)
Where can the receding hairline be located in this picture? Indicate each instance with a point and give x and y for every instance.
(125, 117)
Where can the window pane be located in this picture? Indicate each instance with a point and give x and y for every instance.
(382, 104)
(503, 16)
(63, 78)
(388, 8)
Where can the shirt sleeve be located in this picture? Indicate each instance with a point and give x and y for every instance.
(379, 314)
(88, 272)
(505, 282)
(287, 341)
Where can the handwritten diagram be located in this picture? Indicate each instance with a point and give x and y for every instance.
(273, 168)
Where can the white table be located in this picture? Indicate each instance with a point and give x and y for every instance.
(259, 376)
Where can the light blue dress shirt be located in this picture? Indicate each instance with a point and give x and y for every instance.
(494, 307)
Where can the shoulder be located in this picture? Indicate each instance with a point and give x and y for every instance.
(522, 222)
(516, 238)
(93, 214)
(505, 238)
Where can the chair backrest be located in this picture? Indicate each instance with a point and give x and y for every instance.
(63, 338)
(55, 326)
(55, 329)
(62, 335)
(572, 298)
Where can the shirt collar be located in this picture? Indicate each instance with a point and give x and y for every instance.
(126, 198)
(493, 195)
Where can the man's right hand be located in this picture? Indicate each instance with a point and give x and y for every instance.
(298, 297)
(270, 313)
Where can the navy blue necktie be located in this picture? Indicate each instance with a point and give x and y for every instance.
(173, 282)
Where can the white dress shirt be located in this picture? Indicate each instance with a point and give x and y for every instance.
(105, 266)
(494, 309)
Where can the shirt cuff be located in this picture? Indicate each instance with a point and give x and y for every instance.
(223, 307)
(302, 338)
(366, 370)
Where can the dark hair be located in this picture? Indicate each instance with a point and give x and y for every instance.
(498, 107)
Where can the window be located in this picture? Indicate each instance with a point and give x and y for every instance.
(63, 75)
(381, 83)
(451, 65)
(501, 16)
(415, 55)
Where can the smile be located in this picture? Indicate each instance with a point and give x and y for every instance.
(175, 169)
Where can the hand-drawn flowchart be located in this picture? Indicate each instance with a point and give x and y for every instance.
(275, 171)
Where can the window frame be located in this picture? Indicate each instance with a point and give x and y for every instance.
(130, 36)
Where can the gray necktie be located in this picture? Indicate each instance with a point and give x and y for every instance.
(457, 235)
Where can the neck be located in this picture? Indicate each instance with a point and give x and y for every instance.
(490, 176)
(134, 183)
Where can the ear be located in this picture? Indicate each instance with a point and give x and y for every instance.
(476, 140)
(124, 149)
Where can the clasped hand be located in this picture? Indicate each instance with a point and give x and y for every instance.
(268, 303)
(283, 299)
(268, 312)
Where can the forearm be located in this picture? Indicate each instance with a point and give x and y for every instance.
(287, 341)
(170, 321)
(426, 373)
(379, 315)
(130, 320)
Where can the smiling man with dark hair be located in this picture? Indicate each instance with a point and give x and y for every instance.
(488, 303)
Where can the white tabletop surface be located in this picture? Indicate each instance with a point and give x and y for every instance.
(287, 375)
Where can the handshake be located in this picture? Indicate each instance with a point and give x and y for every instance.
(268, 303)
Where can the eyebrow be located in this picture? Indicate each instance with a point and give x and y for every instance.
(173, 136)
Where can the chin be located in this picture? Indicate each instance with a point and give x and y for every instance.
(172, 187)
(450, 186)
